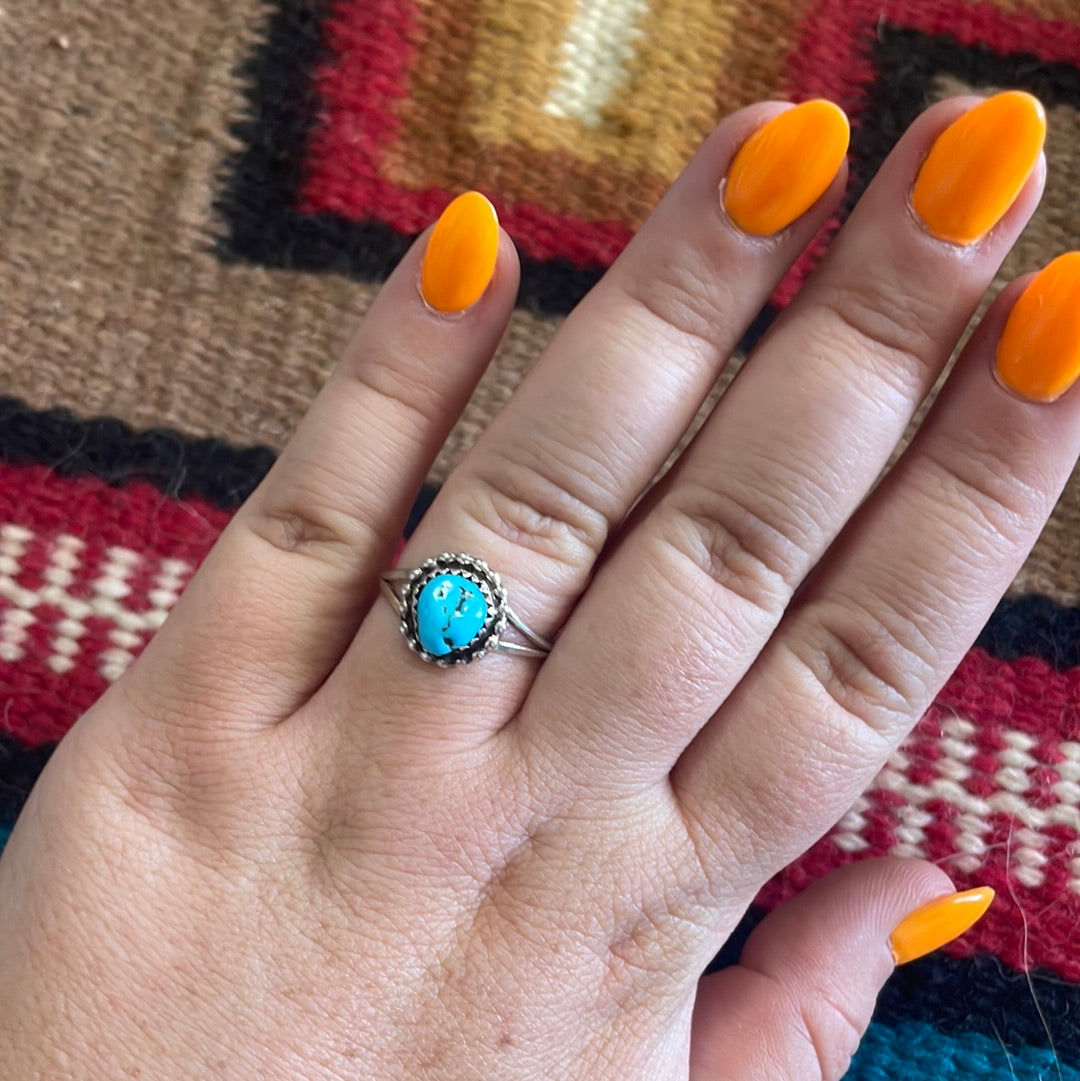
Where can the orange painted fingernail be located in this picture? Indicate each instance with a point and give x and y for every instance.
(977, 166)
(461, 254)
(937, 923)
(785, 167)
(1038, 356)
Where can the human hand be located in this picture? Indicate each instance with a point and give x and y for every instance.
(283, 846)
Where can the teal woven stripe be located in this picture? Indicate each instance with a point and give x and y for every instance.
(5, 833)
(917, 1052)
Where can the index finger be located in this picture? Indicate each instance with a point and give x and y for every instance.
(893, 607)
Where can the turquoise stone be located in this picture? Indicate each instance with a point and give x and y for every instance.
(450, 613)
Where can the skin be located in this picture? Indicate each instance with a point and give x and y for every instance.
(283, 847)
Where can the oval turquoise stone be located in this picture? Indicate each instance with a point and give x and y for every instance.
(450, 613)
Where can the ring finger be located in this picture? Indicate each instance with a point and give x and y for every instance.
(792, 449)
(619, 385)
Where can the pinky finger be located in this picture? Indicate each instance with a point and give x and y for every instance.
(278, 599)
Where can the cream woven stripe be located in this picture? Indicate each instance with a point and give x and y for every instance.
(133, 617)
(1036, 824)
(596, 53)
(134, 614)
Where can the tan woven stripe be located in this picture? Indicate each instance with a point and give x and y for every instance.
(115, 135)
(112, 303)
(762, 34)
(1066, 10)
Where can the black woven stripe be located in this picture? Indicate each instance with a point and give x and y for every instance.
(260, 189)
(19, 769)
(978, 994)
(224, 476)
(1033, 627)
(112, 451)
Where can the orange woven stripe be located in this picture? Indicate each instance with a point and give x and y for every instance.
(475, 113)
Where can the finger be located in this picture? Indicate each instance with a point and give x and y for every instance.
(898, 600)
(707, 567)
(799, 1001)
(284, 589)
(603, 408)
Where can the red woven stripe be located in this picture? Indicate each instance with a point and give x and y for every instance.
(371, 48)
(40, 704)
(832, 59)
(1027, 926)
(831, 55)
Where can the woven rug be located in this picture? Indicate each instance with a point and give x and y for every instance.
(198, 198)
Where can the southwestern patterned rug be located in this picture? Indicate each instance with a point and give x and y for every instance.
(199, 197)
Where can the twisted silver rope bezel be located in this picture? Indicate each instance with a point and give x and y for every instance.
(499, 613)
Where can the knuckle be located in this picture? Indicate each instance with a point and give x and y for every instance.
(833, 1032)
(414, 401)
(169, 770)
(645, 942)
(866, 664)
(298, 520)
(735, 546)
(968, 478)
(553, 509)
(893, 330)
(642, 963)
(682, 293)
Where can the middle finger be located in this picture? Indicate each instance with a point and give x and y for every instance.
(684, 606)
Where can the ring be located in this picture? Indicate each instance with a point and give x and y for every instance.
(453, 610)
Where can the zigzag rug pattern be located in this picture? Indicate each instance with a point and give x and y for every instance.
(317, 138)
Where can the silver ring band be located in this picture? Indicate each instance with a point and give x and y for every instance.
(454, 610)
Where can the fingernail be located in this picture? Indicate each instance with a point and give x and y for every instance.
(937, 923)
(461, 254)
(785, 167)
(1038, 356)
(977, 166)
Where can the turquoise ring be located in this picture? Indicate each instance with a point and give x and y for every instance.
(453, 610)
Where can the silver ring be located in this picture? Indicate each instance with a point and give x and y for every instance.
(454, 610)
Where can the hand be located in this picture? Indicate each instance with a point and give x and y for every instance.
(282, 846)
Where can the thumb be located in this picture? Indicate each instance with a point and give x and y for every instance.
(801, 997)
